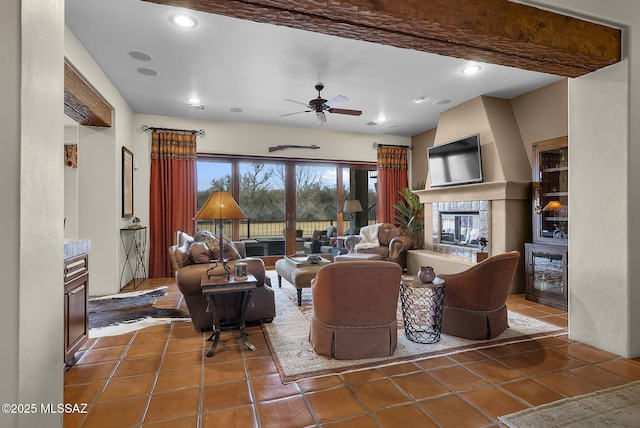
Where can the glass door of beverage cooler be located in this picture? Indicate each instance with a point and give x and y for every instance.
(547, 279)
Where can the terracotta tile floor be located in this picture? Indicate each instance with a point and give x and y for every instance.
(159, 377)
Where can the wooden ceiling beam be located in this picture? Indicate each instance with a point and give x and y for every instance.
(82, 103)
(493, 31)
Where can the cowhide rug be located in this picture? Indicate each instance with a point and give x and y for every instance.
(126, 312)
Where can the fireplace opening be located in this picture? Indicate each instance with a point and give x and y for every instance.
(460, 228)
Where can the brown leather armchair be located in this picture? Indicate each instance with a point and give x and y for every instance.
(475, 300)
(354, 310)
(393, 240)
(188, 276)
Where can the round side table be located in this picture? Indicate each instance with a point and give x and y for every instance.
(422, 305)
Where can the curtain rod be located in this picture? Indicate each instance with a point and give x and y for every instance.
(199, 133)
(376, 145)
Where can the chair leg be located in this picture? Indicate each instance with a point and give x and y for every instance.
(299, 296)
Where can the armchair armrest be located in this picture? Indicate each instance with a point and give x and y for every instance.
(351, 241)
(398, 246)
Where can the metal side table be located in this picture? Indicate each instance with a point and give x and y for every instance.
(135, 248)
(422, 305)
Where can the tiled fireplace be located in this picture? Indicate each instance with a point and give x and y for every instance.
(459, 225)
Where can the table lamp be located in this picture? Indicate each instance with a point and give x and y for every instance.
(220, 206)
(352, 206)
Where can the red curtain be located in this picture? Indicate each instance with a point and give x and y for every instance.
(392, 179)
(173, 195)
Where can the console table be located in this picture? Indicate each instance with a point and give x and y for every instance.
(134, 242)
(217, 285)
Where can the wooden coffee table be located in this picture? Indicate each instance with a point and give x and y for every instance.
(217, 285)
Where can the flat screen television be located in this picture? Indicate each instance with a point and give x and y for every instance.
(455, 162)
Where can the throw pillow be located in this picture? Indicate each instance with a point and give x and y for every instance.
(199, 253)
(182, 255)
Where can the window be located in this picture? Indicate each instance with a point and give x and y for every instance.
(282, 197)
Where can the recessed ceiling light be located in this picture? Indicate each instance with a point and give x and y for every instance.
(193, 100)
(392, 125)
(372, 123)
(147, 72)
(140, 56)
(419, 100)
(235, 110)
(381, 119)
(441, 102)
(184, 21)
(471, 69)
(196, 106)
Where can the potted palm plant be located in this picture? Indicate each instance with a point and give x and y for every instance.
(410, 213)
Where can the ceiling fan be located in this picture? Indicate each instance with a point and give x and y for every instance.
(320, 105)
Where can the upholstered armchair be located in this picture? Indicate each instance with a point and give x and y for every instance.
(393, 243)
(354, 310)
(320, 238)
(475, 300)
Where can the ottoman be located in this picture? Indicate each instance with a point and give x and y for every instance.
(357, 257)
(299, 276)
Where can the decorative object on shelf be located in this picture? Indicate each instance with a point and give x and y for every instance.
(127, 183)
(220, 206)
(314, 259)
(241, 271)
(135, 223)
(482, 255)
(71, 155)
(426, 274)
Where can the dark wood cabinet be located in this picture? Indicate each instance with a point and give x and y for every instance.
(546, 257)
(76, 305)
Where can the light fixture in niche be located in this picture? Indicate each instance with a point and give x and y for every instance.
(140, 56)
(147, 72)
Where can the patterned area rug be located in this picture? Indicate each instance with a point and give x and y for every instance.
(126, 312)
(614, 407)
(295, 359)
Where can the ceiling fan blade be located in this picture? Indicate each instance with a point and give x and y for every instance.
(345, 111)
(298, 102)
(297, 112)
(336, 100)
(321, 117)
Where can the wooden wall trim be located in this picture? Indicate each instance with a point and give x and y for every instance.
(82, 103)
(493, 31)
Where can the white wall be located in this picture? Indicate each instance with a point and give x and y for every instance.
(31, 183)
(99, 176)
(605, 198)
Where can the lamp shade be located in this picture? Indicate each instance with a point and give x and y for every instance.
(352, 206)
(220, 206)
(553, 206)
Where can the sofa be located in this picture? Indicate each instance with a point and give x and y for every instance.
(392, 243)
(191, 260)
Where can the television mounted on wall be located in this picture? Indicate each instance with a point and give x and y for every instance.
(456, 162)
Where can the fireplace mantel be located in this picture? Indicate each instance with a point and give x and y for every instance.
(497, 190)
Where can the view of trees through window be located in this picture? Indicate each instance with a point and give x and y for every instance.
(262, 193)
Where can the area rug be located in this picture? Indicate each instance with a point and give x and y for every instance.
(126, 312)
(288, 339)
(613, 407)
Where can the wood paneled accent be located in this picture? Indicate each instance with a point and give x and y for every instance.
(82, 103)
(493, 31)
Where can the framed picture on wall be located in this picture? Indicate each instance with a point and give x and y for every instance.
(127, 183)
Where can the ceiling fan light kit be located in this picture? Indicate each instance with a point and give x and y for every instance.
(319, 105)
